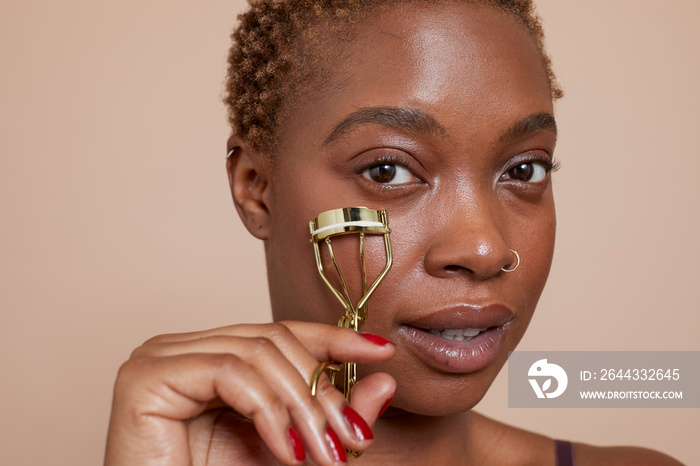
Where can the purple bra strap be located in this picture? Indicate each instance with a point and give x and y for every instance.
(564, 453)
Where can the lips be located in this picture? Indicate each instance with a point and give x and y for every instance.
(458, 339)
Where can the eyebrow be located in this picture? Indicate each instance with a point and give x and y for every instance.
(409, 119)
(531, 124)
(418, 121)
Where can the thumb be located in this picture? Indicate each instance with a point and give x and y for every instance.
(370, 395)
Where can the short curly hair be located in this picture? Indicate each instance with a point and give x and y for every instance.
(278, 47)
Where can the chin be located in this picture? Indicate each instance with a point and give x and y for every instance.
(438, 404)
(424, 391)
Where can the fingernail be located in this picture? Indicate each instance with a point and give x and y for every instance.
(362, 430)
(297, 445)
(336, 447)
(376, 339)
(386, 405)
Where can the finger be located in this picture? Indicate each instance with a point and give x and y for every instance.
(334, 343)
(308, 414)
(311, 415)
(219, 438)
(324, 342)
(353, 431)
(341, 344)
(154, 396)
(371, 395)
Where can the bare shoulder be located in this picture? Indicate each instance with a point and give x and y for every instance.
(585, 455)
(515, 446)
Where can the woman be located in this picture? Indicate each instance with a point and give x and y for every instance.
(442, 114)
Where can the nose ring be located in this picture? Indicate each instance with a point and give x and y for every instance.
(517, 262)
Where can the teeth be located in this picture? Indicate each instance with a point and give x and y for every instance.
(457, 334)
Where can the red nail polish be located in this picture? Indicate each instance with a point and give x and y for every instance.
(386, 405)
(362, 430)
(376, 339)
(336, 447)
(297, 445)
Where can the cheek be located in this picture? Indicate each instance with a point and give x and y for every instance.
(297, 290)
(535, 245)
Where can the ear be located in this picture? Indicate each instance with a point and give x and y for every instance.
(249, 176)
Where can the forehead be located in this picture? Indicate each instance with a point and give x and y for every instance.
(463, 62)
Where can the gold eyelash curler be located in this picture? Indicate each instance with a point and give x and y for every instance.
(349, 220)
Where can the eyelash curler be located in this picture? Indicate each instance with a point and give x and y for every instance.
(350, 220)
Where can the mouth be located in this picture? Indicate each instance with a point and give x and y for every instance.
(454, 334)
(460, 339)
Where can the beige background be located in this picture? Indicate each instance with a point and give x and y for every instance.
(116, 222)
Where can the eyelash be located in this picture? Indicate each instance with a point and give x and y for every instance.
(550, 164)
(383, 159)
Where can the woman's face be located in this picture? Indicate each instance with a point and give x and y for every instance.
(442, 115)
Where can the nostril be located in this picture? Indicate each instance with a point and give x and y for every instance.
(478, 255)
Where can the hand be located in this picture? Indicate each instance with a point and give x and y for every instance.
(180, 399)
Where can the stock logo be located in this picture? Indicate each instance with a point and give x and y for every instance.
(546, 372)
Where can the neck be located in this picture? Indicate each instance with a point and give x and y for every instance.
(406, 438)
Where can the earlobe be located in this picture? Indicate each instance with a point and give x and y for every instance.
(248, 174)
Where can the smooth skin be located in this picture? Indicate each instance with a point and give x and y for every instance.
(442, 115)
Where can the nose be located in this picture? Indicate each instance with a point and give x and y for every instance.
(468, 239)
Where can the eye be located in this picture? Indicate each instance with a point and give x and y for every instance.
(388, 173)
(528, 172)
